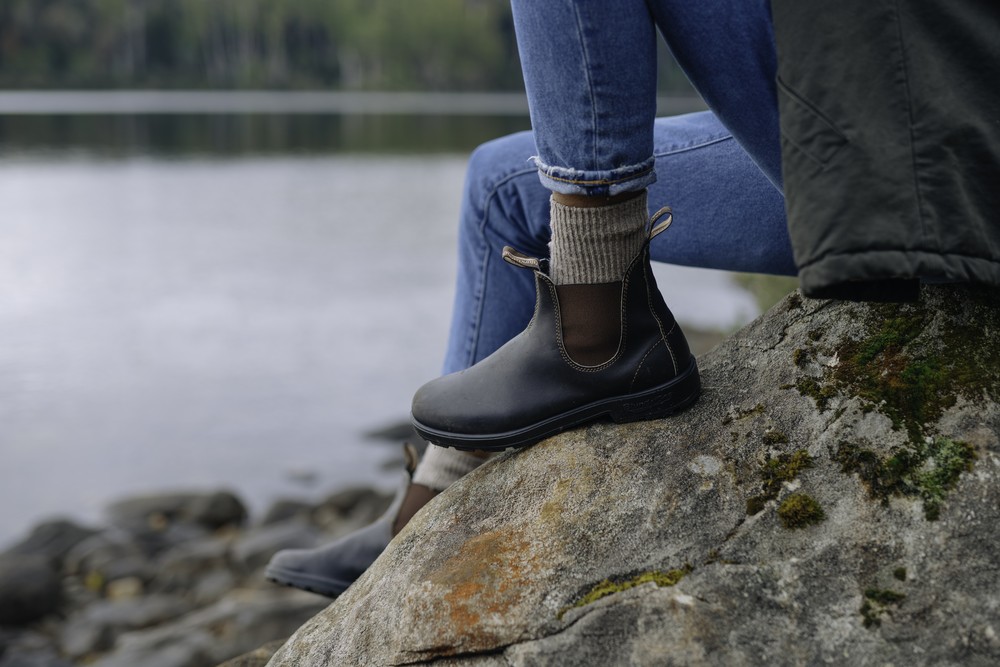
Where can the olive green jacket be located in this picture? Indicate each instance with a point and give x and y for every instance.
(890, 122)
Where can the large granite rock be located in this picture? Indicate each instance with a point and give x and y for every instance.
(834, 498)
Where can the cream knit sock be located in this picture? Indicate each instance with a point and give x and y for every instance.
(443, 466)
(596, 245)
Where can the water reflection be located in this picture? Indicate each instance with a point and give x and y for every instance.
(249, 134)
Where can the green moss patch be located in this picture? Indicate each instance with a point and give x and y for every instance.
(772, 438)
(878, 602)
(610, 587)
(899, 573)
(911, 388)
(799, 510)
(819, 392)
(911, 362)
(928, 470)
(743, 414)
(756, 504)
(776, 471)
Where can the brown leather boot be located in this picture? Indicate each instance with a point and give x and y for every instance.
(537, 385)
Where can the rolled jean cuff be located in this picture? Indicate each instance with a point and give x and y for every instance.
(570, 181)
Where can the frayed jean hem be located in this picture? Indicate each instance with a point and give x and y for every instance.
(607, 183)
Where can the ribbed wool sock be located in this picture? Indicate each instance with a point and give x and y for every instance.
(443, 466)
(596, 244)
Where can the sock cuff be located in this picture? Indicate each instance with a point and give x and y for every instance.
(443, 466)
(596, 244)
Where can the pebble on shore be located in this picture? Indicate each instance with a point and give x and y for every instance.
(173, 580)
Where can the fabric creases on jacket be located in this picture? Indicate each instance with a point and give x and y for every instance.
(890, 123)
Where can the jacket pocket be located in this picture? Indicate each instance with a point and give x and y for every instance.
(806, 128)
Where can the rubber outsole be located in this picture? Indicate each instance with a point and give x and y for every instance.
(657, 403)
(305, 583)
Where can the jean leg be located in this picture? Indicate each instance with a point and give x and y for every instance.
(590, 75)
(727, 216)
(727, 50)
(503, 203)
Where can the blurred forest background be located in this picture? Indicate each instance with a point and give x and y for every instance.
(276, 44)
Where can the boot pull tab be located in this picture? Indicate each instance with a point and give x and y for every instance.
(657, 229)
(518, 258)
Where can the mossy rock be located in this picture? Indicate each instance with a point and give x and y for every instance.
(563, 553)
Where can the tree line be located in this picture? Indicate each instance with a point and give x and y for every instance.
(356, 44)
(293, 44)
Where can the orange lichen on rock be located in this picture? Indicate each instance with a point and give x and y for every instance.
(477, 590)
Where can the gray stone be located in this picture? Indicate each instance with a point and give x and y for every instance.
(255, 658)
(51, 540)
(194, 649)
(96, 627)
(153, 540)
(339, 512)
(255, 549)
(29, 589)
(212, 587)
(235, 625)
(109, 554)
(217, 510)
(80, 638)
(28, 649)
(833, 498)
(348, 510)
(181, 568)
(208, 510)
(285, 509)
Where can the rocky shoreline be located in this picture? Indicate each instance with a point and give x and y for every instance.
(176, 579)
(172, 580)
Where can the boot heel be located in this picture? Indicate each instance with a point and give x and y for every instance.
(660, 402)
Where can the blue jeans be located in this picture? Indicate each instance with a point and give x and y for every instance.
(727, 215)
(589, 69)
(590, 74)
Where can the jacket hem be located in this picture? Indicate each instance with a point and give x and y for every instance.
(834, 275)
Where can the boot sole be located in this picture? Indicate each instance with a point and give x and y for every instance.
(656, 403)
(326, 587)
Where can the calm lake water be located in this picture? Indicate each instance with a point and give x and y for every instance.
(195, 319)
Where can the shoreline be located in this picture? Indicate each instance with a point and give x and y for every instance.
(183, 570)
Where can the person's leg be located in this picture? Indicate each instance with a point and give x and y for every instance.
(590, 76)
(502, 204)
(329, 570)
(593, 177)
(727, 50)
(726, 216)
(589, 70)
(597, 60)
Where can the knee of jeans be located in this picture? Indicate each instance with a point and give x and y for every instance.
(497, 160)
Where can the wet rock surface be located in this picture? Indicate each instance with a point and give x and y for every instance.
(175, 580)
(833, 498)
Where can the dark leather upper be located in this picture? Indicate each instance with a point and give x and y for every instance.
(532, 376)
